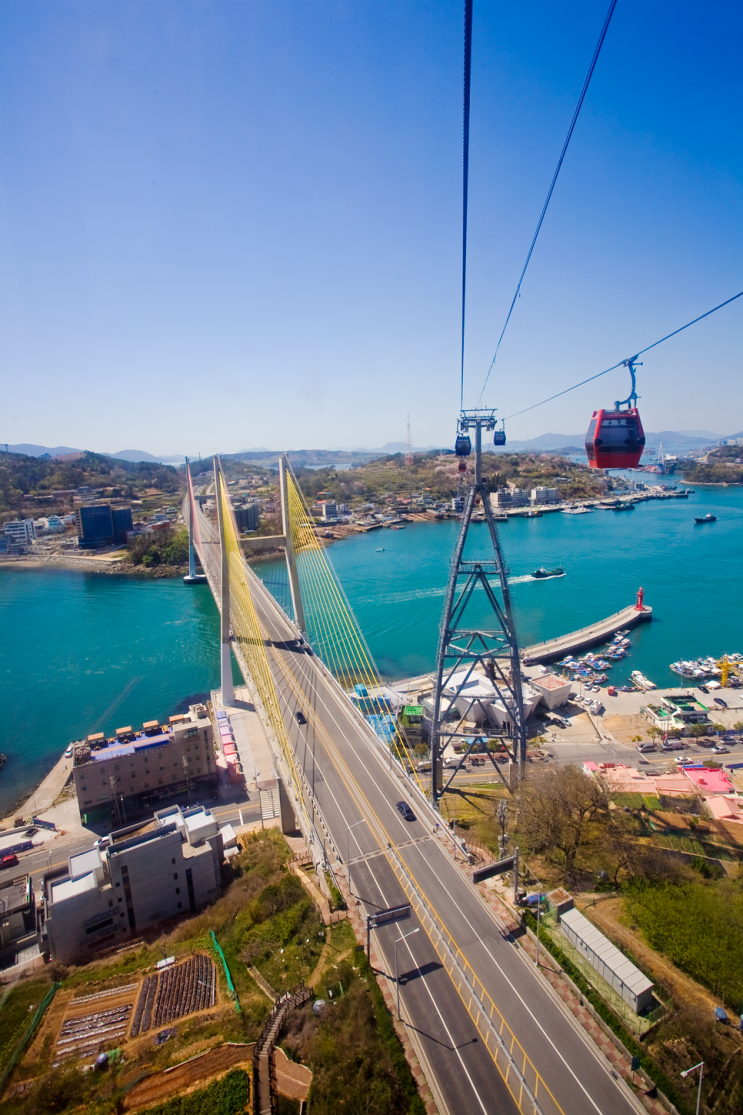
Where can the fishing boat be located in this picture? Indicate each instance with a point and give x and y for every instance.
(542, 574)
(642, 682)
(380, 550)
(705, 518)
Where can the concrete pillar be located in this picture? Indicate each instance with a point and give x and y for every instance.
(228, 691)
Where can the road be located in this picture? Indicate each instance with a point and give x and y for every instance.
(355, 789)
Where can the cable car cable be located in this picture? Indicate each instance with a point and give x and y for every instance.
(465, 170)
(629, 359)
(569, 136)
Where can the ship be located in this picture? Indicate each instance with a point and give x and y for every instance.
(542, 574)
(641, 681)
(705, 518)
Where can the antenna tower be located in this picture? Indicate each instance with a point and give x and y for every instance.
(478, 671)
(408, 448)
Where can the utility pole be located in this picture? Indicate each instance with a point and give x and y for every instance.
(228, 692)
(291, 561)
(470, 651)
(408, 448)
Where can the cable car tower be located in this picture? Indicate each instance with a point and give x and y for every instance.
(478, 672)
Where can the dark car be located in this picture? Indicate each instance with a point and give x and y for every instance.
(703, 689)
(300, 718)
(720, 703)
(406, 811)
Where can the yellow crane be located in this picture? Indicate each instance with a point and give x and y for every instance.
(727, 668)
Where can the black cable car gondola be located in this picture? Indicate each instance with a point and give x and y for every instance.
(499, 437)
(615, 438)
(463, 447)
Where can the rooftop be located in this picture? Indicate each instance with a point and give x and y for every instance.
(549, 681)
(15, 894)
(68, 888)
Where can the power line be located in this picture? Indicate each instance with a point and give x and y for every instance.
(629, 358)
(569, 136)
(465, 170)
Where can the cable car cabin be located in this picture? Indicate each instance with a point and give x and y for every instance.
(462, 446)
(615, 439)
(499, 437)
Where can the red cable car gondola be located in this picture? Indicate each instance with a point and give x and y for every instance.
(615, 438)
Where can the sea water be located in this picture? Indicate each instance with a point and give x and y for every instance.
(90, 652)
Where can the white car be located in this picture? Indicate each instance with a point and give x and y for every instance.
(721, 750)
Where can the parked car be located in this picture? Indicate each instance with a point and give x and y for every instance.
(646, 747)
(406, 811)
(672, 745)
(68, 752)
(720, 703)
(9, 861)
(703, 689)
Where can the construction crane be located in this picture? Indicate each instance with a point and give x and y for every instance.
(727, 669)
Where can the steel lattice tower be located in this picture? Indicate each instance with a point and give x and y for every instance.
(469, 651)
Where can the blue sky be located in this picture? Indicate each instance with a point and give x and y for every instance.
(228, 224)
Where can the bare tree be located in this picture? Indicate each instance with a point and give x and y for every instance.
(559, 812)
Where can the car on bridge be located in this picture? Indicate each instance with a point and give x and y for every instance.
(300, 718)
(407, 812)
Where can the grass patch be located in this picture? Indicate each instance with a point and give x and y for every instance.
(699, 927)
(227, 1096)
(16, 1010)
(356, 1056)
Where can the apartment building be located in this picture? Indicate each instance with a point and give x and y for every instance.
(133, 771)
(148, 873)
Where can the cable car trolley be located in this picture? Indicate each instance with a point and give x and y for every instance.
(615, 438)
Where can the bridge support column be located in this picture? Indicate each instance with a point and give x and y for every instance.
(228, 691)
(291, 563)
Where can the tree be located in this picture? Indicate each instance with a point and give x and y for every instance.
(654, 732)
(698, 730)
(559, 811)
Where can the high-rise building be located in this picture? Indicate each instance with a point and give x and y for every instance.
(99, 525)
(248, 517)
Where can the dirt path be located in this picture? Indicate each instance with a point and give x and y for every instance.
(686, 991)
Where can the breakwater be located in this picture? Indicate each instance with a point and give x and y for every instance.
(591, 636)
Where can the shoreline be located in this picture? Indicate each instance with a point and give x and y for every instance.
(93, 565)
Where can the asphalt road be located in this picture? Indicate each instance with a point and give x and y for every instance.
(356, 789)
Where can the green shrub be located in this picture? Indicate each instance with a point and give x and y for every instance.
(228, 1096)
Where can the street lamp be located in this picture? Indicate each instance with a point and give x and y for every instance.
(348, 850)
(397, 980)
(694, 1068)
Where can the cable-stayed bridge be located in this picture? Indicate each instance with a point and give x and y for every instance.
(490, 1033)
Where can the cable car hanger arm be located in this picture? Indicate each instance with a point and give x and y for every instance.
(630, 359)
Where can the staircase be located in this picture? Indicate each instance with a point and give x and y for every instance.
(264, 1079)
(270, 804)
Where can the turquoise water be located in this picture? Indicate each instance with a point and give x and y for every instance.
(691, 576)
(85, 652)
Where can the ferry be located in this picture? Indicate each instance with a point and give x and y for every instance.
(706, 518)
(642, 682)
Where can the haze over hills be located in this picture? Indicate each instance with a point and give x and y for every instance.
(674, 441)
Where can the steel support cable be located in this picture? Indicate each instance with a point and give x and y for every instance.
(301, 526)
(542, 215)
(465, 171)
(614, 367)
(250, 635)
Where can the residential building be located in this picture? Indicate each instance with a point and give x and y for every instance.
(147, 874)
(510, 497)
(329, 509)
(130, 773)
(247, 517)
(101, 525)
(545, 495)
(21, 531)
(410, 720)
(17, 909)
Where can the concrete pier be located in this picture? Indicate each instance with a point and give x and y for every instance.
(593, 635)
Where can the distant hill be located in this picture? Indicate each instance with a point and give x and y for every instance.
(29, 450)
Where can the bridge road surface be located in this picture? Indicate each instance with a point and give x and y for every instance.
(352, 782)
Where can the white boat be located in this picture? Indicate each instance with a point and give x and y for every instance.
(641, 681)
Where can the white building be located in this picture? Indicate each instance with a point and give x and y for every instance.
(479, 703)
(21, 531)
(545, 495)
(510, 497)
(149, 872)
(329, 509)
(553, 690)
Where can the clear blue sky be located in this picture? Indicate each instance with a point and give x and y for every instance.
(234, 223)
